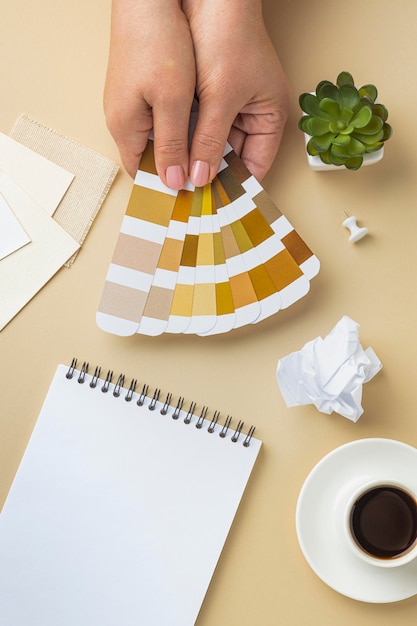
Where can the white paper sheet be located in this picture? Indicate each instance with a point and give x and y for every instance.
(12, 234)
(44, 181)
(27, 270)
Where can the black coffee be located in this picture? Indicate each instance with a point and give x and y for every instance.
(384, 521)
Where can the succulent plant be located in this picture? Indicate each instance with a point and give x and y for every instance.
(344, 122)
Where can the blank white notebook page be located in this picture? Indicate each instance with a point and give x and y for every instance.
(118, 514)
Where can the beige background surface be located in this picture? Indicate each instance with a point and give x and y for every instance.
(53, 57)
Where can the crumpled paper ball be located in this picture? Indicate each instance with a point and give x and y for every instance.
(329, 372)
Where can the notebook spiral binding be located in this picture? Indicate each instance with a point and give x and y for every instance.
(118, 389)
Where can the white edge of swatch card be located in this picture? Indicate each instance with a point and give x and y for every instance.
(143, 229)
(200, 324)
(177, 324)
(269, 305)
(296, 290)
(166, 279)
(115, 325)
(282, 227)
(151, 326)
(252, 186)
(224, 323)
(152, 181)
(311, 266)
(247, 314)
(269, 248)
(125, 276)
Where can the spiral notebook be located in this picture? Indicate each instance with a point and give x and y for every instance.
(120, 507)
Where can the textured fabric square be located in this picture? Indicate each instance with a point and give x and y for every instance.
(94, 175)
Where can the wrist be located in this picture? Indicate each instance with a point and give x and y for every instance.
(237, 8)
(128, 11)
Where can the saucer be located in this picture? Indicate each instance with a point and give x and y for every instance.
(319, 518)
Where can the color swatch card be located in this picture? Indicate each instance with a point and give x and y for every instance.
(202, 260)
(121, 506)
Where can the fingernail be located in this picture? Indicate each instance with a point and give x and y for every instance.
(175, 177)
(200, 173)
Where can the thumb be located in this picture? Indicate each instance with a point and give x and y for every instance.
(208, 142)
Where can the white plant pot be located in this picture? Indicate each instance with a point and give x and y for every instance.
(316, 163)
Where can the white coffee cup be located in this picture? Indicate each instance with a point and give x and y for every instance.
(380, 523)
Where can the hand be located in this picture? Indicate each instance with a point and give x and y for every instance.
(243, 92)
(150, 83)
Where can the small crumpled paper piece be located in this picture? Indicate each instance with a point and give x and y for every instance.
(329, 372)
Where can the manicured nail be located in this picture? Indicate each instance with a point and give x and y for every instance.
(200, 173)
(175, 177)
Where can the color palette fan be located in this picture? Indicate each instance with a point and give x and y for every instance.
(204, 260)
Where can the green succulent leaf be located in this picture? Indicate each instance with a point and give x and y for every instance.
(354, 163)
(331, 107)
(375, 147)
(335, 159)
(310, 105)
(346, 114)
(355, 147)
(341, 140)
(369, 91)
(381, 111)
(325, 157)
(339, 151)
(348, 96)
(313, 126)
(373, 127)
(348, 130)
(341, 127)
(326, 89)
(323, 142)
(345, 78)
(369, 140)
(311, 149)
(387, 132)
(362, 117)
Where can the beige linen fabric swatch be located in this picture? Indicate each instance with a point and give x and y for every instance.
(93, 175)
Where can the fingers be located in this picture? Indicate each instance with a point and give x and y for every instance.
(150, 83)
(129, 127)
(209, 139)
(255, 137)
(171, 126)
(243, 91)
(261, 140)
(258, 153)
